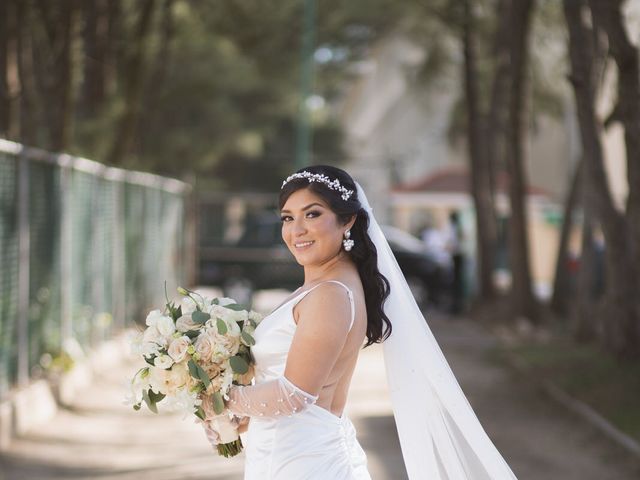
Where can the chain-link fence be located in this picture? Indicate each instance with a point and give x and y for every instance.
(85, 250)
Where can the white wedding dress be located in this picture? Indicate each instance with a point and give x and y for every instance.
(310, 444)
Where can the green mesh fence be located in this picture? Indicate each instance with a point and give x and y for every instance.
(8, 270)
(102, 242)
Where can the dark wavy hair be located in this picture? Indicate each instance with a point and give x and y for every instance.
(363, 253)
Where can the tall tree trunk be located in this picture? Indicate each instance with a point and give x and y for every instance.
(133, 82)
(95, 42)
(523, 300)
(29, 115)
(609, 17)
(162, 60)
(495, 124)
(560, 299)
(480, 179)
(62, 127)
(54, 68)
(584, 319)
(5, 40)
(620, 329)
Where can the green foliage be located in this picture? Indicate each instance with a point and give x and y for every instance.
(239, 364)
(221, 93)
(200, 317)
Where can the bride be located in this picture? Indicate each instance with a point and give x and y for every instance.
(306, 350)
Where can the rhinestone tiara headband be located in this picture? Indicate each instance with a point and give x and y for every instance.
(322, 178)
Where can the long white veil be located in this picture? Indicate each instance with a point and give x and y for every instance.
(440, 435)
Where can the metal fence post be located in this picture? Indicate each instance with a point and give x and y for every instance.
(117, 278)
(66, 237)
(24, 247)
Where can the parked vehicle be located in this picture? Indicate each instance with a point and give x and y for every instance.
(425, 276)
(261, 260)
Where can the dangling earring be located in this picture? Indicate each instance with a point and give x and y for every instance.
(348, 244)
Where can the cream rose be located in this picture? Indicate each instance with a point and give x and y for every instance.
(178, 348)
(186, 323)
(204, 346)
(168, 381)
(225, 346)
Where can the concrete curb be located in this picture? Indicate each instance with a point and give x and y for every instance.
(38, 402)
(579, 408)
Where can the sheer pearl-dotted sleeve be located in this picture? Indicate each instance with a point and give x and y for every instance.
(269, 399)
(320, 335)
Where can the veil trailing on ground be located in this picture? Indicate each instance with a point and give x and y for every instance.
(440, 435)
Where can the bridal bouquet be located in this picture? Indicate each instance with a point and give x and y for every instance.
(195, 352)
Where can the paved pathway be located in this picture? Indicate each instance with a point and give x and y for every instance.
(99, 438)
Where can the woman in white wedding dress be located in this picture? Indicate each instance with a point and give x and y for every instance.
(306, 349)
(354, 295)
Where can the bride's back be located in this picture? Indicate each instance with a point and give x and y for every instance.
(334, 392)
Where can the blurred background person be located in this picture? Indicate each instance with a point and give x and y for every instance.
(453, 238)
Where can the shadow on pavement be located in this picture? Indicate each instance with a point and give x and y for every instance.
(379, 439)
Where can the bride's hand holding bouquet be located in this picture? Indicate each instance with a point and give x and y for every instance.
(194, 352)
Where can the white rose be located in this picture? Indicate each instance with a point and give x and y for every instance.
(153, 317)
(238, 315)
(186, 323)
(163, 361)
(165, 326)
(188, 306)
(217, 311)
(178, 348)
(150, 349)
(152, 341)
(183, 402)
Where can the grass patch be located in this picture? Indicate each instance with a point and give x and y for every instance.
(609, 386)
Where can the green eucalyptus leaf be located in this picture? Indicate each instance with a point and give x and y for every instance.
(248, 339)
(200, 317)
(204, 377)
(193, 369)
(150, 403)
(156, 397)
(200, 413)
(192, 333)
(218, 403)
(235, 307)
(239, 364)
(222, 326)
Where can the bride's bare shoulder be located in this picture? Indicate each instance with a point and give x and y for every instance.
(327, 300)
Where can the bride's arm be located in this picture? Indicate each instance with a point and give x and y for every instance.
(323, 325)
